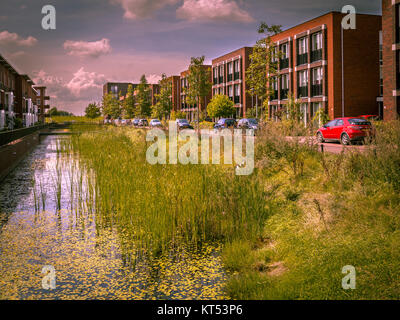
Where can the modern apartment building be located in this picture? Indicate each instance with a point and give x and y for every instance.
(117, 88)
(154, 90)
(391, 58)
(26, 100)
(42, 101)
(325, 66)
(191, 110)
(229, 78)
(7, 92)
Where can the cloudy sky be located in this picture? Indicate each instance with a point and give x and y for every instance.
(119, 40)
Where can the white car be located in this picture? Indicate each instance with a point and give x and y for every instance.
(155, 123)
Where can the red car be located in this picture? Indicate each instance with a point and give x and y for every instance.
(345, 130)
(370, 117)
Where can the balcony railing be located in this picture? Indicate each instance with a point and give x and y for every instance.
(316, 90)
(230, 77)
(284, 94)
(284, 63)
(237, 75)
(302, 59)
(302, 91)
(236, 99)
(316, 55)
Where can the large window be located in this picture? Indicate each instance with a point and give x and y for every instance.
(230, 71)
(316, 47)
(215, 75)
(237, 93)
(274, 86)
(237, 69)
(221, 74)
(302, 51)
(230, 92)
(284, 86)
(317, 79)
(303, 83)
(284, 61)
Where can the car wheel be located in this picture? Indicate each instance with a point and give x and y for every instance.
(320, 137)
(345, 140)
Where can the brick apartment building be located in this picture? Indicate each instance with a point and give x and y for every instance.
(191, 110)
(117, 88)
(311, 67)
(42, 101)
(175, 83)
(7, 91)
(154, 90)
(229, 78)
(391, 58)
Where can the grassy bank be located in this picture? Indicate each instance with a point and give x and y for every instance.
(287, 230)
(329, 211)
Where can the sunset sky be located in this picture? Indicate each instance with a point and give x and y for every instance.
(119, 40)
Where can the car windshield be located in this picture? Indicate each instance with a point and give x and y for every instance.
(253, 121)
(183, 121)
(359, 122)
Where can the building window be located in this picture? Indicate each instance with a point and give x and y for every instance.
(317, 78)
(315, 107)
(302, 51)
(316, 47)
(284, 61)
(304, 113)
(397, 23)
(236, 69)
(230, 71)
(284, 86)
(215, 75)
(221, 74)
(274, 86)
(302, 84)
(230, 92)
(237, 94)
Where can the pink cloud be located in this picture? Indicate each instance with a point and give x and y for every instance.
(138, 9)
(8, 38)
(92, 49)
(213, 10)
(86, 84)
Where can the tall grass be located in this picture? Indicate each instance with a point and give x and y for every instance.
(162, 207)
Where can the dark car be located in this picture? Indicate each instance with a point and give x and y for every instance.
(183, 124)
(143, 123)
(225, 123)
(345, 130)
(135, 122)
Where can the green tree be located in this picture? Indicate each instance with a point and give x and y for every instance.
(55, 112)
(129, 104)
(178, 115)
(199, 84)
(293, 108)
(111, 106)
(220, 106)
(164, 104)
(143, 99)
(263, 65)
(92, 111)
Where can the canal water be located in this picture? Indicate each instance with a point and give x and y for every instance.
(45, 221)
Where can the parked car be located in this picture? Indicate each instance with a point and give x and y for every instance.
(143, 123)
(225, 123)
(248, 124)
(183, 124)
(135, 122)
(370, 117)
(345, 130)
(124, 122)
(155, 123)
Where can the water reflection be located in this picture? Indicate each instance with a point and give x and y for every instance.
(47, 206)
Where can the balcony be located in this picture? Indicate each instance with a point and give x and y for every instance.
(221, 80)
(236, 75)
(215, 80)
(316, 55)
(302, 92)
(302, 59)
(284, 64)
(316, 90)
(230, 77)
(275, 95)
(237, 100)
(284, 94)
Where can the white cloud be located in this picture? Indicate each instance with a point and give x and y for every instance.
(92, 49)
(153, 78)
(86, 84)
(213, 10)
(8, 38)
(139, 9)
